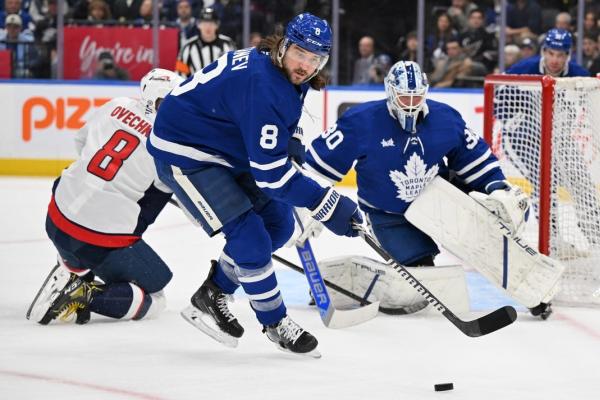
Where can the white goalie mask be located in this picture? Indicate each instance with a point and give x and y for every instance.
(406, 89)
(155, 85)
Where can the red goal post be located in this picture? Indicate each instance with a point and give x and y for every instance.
(546, 133)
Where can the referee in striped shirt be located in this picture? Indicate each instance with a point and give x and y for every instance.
(203, 49)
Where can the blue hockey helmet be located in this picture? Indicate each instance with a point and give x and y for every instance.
(311, 33)
(406, 88)
(558, 39)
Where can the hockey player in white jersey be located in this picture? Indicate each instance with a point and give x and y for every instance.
(99, 209)
(398, 146)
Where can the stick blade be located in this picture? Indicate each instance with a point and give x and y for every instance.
(339, 319)
(491, 322)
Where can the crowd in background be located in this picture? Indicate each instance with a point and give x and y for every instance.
(461, 44)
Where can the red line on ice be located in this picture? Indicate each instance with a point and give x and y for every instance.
(92, 386)
(579, 325)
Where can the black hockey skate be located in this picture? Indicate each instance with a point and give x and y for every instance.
(290, 337)
(209, 313)
(63, 295)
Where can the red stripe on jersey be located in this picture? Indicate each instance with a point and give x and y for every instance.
(86, 235)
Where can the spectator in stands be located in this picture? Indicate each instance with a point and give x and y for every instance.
(255, 39)
(512, 55)
(185, 21)
(15, 7)
(39, 9)
(523, 18)
(435, 43)
(379, 68)
(170, 12)
(410, 47)
(127, 10)
(563, 21)
(20, 43)
(459, 12)
(589, 51)
(366, 52)
(45, 35)
(455, 66)
(205, 48)
(98, 11)
(145, 13)
(528, 48)
(479, 44)
(108, 69)
(590, 24)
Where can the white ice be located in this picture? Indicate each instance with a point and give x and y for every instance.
(386, 358)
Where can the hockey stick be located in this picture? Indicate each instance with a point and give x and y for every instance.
(331, 316)
(489, 323)
(362, 300)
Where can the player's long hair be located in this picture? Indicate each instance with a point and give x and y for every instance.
(272, 44)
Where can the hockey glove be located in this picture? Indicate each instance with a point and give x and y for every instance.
(309, 227)
(338, 213)
(508, 202)
(296, 149)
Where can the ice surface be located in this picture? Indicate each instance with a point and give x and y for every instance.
(387, 358)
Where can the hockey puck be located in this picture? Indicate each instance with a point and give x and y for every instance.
(440, 387)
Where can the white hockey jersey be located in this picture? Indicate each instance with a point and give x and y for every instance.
(110, 195)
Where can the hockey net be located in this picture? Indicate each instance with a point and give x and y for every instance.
(546, 133)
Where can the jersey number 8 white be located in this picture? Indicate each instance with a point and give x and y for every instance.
(268, 136)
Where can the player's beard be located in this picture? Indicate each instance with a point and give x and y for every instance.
(297, 76)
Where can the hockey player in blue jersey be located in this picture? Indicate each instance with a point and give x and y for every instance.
(220, 142)
(397, 146)
(554, 60)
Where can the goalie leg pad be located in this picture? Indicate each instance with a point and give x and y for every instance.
(357, 273)
(482, 240)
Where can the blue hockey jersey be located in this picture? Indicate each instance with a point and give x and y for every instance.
(393, 165)
(238, 112)
(533, 66)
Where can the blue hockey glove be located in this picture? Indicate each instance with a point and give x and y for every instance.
(296, 149)
(338, 213)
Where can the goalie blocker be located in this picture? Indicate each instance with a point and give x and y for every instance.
(481, 239)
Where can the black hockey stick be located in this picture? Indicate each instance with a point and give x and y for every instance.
(391, 311)
(489, 323)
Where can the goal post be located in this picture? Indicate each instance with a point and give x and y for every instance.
(546, 133)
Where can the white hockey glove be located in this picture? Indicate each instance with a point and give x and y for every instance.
(306, 227)
(507, 202)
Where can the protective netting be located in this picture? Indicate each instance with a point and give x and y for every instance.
(574, 215)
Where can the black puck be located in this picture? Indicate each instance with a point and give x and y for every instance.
(440, 387)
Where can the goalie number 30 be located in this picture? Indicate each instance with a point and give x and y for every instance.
(332, 137)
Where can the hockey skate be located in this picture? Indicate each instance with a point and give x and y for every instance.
(209, 313)
(63, 295)
(290, 337)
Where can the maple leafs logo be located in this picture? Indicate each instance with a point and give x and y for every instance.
(417, 176)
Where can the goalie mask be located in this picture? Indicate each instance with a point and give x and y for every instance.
(155, 85)
(406, 89)
(310, 33)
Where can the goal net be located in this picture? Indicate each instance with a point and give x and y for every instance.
(546, 133)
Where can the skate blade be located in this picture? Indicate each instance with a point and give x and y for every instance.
(51, 288)
(311, 354)
(205, 323)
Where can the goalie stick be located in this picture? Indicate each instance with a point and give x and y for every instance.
(362, 300)
(489, 323)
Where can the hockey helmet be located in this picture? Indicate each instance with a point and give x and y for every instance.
(406, 88)
(558, 39)
(209, 14)
(155, 85)
(310, 33)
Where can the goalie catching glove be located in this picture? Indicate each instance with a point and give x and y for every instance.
(506, 201)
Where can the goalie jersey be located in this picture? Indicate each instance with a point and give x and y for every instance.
(244, 124)
(110, 195)
(394, 165)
